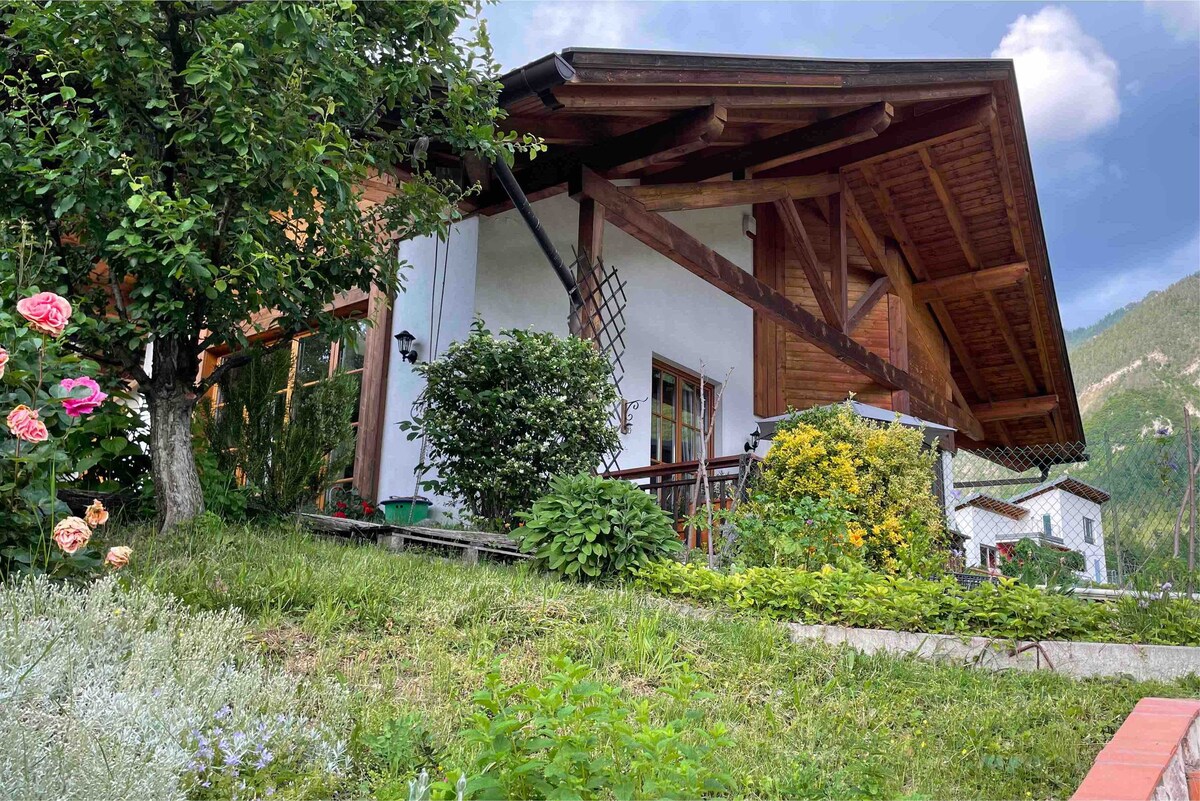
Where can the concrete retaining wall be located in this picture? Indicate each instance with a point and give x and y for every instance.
(1078, 659)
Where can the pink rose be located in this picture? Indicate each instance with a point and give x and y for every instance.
(77, 407)
(46, 312)
(118, 556)
(25, 424)
(3, 361)
(71, 534)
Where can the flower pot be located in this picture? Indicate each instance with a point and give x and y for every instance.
(406, 510)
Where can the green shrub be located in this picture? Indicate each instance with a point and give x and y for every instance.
(592, 527)
(802, 532)
(501, 417)
(288, 453)
(881, 475)
(866, 599)
(578, 738)
(1030, 562)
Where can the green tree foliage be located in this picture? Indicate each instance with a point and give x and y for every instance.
(287, 453)
(210, 154)
(592, 527)
(501, 417)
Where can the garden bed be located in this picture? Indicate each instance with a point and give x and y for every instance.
(412, 636)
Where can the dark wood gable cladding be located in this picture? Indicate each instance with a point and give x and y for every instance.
(899, 253)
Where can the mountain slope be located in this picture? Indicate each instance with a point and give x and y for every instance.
(1140, 366)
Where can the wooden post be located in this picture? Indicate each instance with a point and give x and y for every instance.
(898, 348)
(837, 255)
(591, 248)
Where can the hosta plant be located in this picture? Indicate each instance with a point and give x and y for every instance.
(591, 527)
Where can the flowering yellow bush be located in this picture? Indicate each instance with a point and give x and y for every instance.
(881, 475)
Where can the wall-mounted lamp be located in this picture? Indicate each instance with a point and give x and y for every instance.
(408, 352)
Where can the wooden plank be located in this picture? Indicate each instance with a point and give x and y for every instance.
(838, 266)
(1010, 339)
(866, 303)
(1017, 409)
(890, 213)
(1006, 188)
(620, 100)
(800, 241)
(590, 245)
(769, 338)
(811, 140)
(720, 194)
(957, 223)
(899, 137)
(898, 349)
(961, 352)
(976, 283)
(670, 240)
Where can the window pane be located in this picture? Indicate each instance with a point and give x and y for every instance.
(667, 434)
(353, 349)
(668, 396)
(689, 445)
(313, 361)
(357, 379)
(654, 455)
(656, 392)
(690, 405)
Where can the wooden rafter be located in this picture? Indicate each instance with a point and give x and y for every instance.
(839, 266)
(968, 284)
(720, 194)
(1017, 409)
(661, 141)
(811, 140)
(866, 303)
(1006, 188)
(801, 243)
(661, 235)
(900, 137)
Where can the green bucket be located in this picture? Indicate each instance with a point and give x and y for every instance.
(404, 511)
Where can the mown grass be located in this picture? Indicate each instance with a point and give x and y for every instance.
(415, 633)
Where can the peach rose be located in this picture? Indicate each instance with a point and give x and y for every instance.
(46, 312)
(96, 515)
(118, 556)
(25, 424)
(77, 407)
(72, 533)
(3, 361)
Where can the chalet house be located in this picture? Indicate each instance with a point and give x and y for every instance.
(1063, 514)
(792, 229)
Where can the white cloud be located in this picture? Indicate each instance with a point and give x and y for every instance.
(1068, 83)
(1080, 172)
(1180, 17)
(522, 32)
(1118, 287)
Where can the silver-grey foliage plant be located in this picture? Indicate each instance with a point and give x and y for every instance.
(103, 690)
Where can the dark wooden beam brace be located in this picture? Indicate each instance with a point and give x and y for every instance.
(590, 248)
(720, 194)
(957, 224)
(1018, 409)
(662, 141)
(838, 265)
(968, 284)
(866, 303)
(898, 349)
(659, 234)
(800, 242)
(899, 137)
(811, 140)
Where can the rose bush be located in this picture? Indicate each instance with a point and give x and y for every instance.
(45, 395)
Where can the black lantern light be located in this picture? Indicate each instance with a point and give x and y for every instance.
(404, 341)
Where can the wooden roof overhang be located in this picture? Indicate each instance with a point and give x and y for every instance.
(924, 166)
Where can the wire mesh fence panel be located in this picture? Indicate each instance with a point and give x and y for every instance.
(1114, 513)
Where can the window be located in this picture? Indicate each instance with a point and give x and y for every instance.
(675, 415)
(313, 358)
(1089, 533)
(989, 557)
(1047, 526)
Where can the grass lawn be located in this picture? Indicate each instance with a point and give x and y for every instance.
(417, 634)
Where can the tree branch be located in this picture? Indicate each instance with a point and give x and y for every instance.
(239, 359)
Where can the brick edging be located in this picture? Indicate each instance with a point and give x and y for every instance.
(1154, 756)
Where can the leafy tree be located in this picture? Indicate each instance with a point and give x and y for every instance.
(193, 162)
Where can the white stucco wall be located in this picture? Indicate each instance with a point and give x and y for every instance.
(497, 272)
(1067, 512)
(984, 527)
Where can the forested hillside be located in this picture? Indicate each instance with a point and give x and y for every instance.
(1143, 363)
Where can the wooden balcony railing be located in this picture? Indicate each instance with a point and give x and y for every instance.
(673, 485)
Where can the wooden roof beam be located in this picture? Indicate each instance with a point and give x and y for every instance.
(968, 284)
(668, 239)
(957, 223)
(866, 303)
(1018, 409)
(719, 194)
(801, 243)
(819, 137)
(899, 137)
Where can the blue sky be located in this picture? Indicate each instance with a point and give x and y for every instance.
(1111, 93)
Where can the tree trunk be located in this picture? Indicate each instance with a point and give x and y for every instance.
(177, 492)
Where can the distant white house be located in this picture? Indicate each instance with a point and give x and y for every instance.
(1062, 514)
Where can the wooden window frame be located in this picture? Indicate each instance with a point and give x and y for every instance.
(681, 375)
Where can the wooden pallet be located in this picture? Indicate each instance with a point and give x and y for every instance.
(397, 538)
